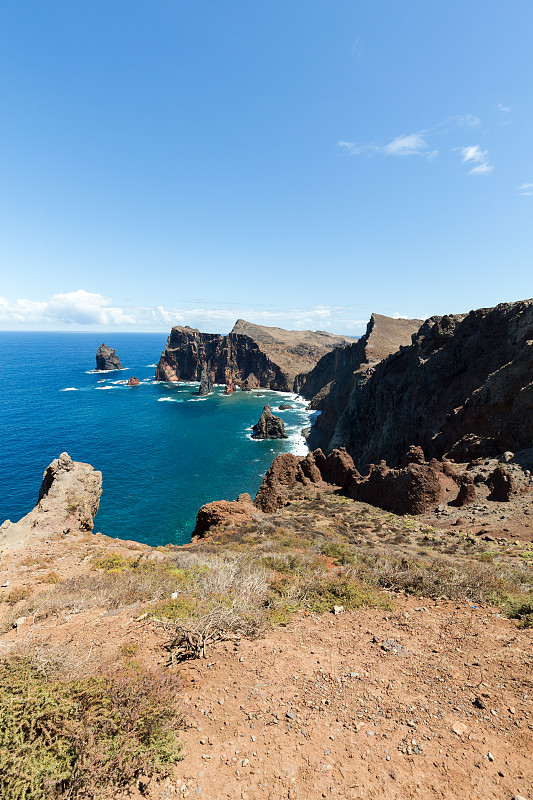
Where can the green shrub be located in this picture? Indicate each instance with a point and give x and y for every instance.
(522, 610)
(65, 739)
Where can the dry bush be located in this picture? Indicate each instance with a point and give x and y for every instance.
(64, 739)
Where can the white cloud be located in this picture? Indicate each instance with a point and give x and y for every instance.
(503, 109)
(89, 310)
(413, 143)
(477, 159)
(526, 190)
(410, 144)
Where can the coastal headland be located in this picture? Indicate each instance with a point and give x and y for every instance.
(362, 627)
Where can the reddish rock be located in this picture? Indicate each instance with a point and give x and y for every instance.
(286, 474)
(415, 455)
(467, 492)
(336, 468)
(133, 381)
(222, 512)
(414, 489)
(250, 383)
(501, 485)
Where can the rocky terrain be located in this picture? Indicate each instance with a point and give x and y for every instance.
(349, 652)
(462, 388)
(269, 426)
(251, 356)
(106, 358)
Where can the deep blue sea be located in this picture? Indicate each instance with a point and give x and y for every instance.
(163, 451)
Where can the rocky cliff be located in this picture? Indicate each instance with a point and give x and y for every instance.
(330, 383)
(68, 501)
(250, 356)
(464, 387)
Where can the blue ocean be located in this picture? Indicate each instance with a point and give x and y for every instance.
(163, 450)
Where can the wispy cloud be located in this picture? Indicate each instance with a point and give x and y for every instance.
(419, 143)
(503, 109)
(91, 310)
(410, 144)
(476, 159)
(526, 190)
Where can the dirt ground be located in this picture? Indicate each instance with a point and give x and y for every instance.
(433, 699)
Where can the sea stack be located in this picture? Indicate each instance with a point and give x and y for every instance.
(133, 381)
(206, 380)
(269, 426)
(106, 358)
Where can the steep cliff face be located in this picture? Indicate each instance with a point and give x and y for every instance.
(254, 355)
(463, 387)
(330, 383)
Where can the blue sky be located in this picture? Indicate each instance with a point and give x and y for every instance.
(295, 162)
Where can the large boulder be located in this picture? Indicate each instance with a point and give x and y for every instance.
(106, 358)
(68, 501)
(269, 426)
(223, 512)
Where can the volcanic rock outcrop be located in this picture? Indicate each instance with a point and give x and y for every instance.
(106, 358)
(68, 501)
(269, 426)
(206, 380)
(133, 381)
(224, 511)
(251, 356)
(463, 388)
(415, 488)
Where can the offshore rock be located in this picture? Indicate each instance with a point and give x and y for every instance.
(206, 380)
(106, 358)
(254, 355)
(68, 501)
(269, 426)
(133, 381)
(464, 387)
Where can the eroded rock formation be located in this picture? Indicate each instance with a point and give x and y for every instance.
(224, 511)
(106, 358)
(206, 380)
(133, 381)
(68, 501)
(415, 488)
(250, 356)
(269, 426)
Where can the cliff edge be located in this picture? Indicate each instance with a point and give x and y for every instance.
(250, 355)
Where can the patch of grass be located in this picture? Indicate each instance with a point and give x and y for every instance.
(64, 739)
(339, 552)
(16, 595)
(326, 593)
(522, 610)
(50, 577)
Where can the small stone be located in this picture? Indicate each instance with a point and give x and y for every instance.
(459, 728)
(221, 701)
(512, 710)
(338, 609)
(490, 756)
(174, 596)
(289, 715)
(5, 584)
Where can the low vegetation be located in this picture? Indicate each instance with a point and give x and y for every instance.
(64, 739)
